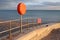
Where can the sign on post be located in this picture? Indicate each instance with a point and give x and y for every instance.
(21, 8)
(39, 20)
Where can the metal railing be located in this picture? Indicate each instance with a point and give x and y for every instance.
(26, 21)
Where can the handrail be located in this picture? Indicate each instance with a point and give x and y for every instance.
(15, 28)
(18, 19)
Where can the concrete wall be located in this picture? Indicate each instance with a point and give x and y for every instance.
(39, 33)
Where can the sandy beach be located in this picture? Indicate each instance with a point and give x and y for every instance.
(53, 35)
(51, 32)
(6, 26)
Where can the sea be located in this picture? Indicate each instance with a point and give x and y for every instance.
(47, 16)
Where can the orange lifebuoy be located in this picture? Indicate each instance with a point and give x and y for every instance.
(21, 8)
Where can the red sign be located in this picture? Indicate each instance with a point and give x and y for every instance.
(21, 8)
(39, 20)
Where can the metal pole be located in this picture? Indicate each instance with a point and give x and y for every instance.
(33, 22)
(10, 34)
(28, 23)
(21, 24)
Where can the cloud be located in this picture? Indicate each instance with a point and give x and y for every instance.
(52, 3)
(31, 4)
(7, 4)
(46, 6)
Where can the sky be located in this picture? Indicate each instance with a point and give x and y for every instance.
(31, 4)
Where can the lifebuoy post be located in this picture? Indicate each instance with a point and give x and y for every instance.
(21, 8)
